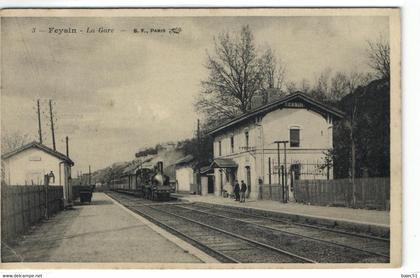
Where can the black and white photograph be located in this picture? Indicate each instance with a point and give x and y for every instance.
(201, 138)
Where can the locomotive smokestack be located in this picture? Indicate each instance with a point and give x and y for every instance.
(160, 166)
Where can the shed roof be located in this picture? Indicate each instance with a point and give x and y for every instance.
(314, 104)
(131, 168)
(39, 146)
(184, 160)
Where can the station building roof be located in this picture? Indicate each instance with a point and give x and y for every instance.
(308, 101)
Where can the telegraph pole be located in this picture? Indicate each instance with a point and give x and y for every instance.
(278, 168)
(198, 129)
(52, 125)
(90, 176)
(198, 139)
(199, 157)
(67, 146)
(39, 123)
(285, 173)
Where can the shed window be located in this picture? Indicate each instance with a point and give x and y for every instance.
(220, 148)
(294, 137)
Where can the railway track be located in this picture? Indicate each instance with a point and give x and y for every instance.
(282, 219)
(237, 237)
(363, 243)
(223, 245)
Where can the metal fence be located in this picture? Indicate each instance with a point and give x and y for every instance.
(372, 193)
(23, 206)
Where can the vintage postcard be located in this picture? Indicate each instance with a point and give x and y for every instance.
(200, 138)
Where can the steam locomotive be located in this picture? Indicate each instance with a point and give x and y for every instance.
(148, 182)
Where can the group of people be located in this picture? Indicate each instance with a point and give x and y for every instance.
(240, 191)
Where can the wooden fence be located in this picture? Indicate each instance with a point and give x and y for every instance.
(23, 206)
(372, 193)
(270, 192)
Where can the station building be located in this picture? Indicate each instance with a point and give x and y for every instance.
(245, 149)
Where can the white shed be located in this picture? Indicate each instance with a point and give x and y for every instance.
(29, 164)
(184, 173)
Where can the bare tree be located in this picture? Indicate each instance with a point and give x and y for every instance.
(305, 85)
(12, 141)
(291, 87)
(332, 87)
(379, 60)
(322, 88)
(343, 84)
(236, 75)
(273, 73)
(357, 79)
(339, 86)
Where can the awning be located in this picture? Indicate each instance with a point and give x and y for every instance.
(223, 163)
(206, 170)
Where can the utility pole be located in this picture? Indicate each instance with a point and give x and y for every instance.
(278, 168)
(198, 141)
(90, 176)
(39, 123)
(286, 194)
(284, 185)
(67, 146)
(52, 125)
(198, 157)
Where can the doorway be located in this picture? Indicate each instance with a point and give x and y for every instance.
(248, 180)
(210, 184)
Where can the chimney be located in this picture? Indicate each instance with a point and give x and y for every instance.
(274, 94)
(256, 101)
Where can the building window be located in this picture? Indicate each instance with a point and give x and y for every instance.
(220, 148)
(294, 137)
(232, 144)
(247, 140)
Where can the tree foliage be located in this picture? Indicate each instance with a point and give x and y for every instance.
(369, 123)
(201, 149)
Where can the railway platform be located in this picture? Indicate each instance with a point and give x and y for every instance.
(104, 232)
(372, 221)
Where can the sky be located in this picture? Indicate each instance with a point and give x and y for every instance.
(114, 93)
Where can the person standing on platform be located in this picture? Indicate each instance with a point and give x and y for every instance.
(243, 191)
(236, 190)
